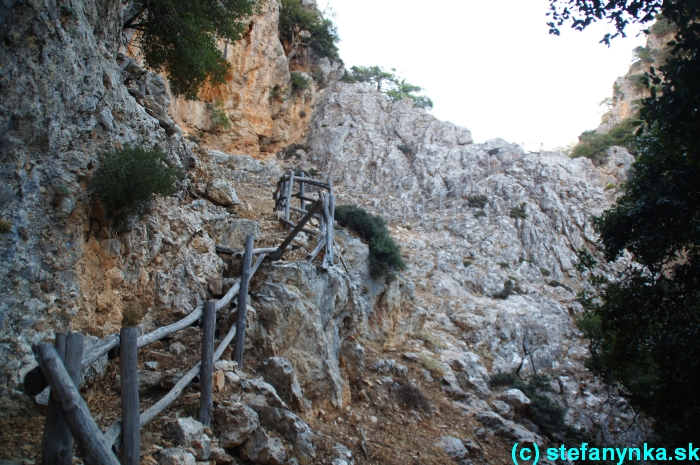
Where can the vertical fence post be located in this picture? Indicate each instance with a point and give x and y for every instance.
(206, 371)
(290, 188)
(57, 443)
(302, 191)
(243, 300)
(128, 371)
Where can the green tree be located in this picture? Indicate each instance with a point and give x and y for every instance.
(645, 325)
(301, 27)
(388, 83)
(180, 38)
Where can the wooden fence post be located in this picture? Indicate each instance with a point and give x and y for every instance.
(86, 433)
(243, 300)
(206, 374)
(290, 188)
(128, 371)
(57, 443)
(302, 191)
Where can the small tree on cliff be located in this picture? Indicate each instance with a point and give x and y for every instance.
(388, 83)
(301, 27)
(180, 38)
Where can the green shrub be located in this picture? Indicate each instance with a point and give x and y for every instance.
(127, 181)
(407, 227)
(662, 26)
(644, 54)
(519, 212)
(509, 288)
(60, 192)
(427, 336)
(480, 213)
(406, 149)
(218, 116)
(547, 415)
(467, 263)
(432, 365)
(321, 34)
(291, 151)
(610, 185)
(558, 284)
(411, 396)
(384, 253)
(545, 272)
(299, 81)
(477, 201)
(593, 145)
(5, 226)
(504, 265)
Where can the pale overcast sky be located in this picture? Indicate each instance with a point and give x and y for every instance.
(489, 65)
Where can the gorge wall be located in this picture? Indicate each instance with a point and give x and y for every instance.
(496, 288)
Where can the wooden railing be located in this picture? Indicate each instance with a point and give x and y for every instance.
(60, 366)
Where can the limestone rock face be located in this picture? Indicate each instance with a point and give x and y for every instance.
(261, 448)
(222, 193)
(265, 113)
(491, 238)
(279, 373)
(235, 424)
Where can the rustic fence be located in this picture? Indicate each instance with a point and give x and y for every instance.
(61, 365)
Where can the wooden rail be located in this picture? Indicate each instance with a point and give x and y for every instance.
(67, 404)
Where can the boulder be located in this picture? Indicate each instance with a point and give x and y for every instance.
(260, 387)
(185, 431)
(222, 193)
(452, 447)
(291, 427)
(354, 355)
(505, 428)
(235, 424)
(175, 456)
(504, 409)
(261, 448)
(514, 397)
(278, 371)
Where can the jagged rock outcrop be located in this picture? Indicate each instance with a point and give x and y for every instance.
(497, 279)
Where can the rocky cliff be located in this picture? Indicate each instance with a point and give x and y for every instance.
(489, 289)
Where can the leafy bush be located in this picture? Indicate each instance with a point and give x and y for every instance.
(504, 265)
(432, 365)
(291, 151)
(509, 288)
(127, 181)
(5, 226)
(299, 81)
(384, 253)
(519, 212)
(407, 227)
(411, 396)
(662, 26)
(644, 54)
(180, 38)
(593, 145)
(480, 213)
(545, 272)
(218, 116)
(467, 263)
(477, 201)
(60, 192)
(426, 336)
(558, 284)
(406, 149)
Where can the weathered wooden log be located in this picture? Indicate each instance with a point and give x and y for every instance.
(257, 251)
(299, 210)
(128, 371)
(243, 300)
(288, 240)
(160, 333)
(289, 198)
(57, 443)
(86, 434)
(310, 181)
(98, 349)
(317, 249)
(207, 366)
(308, 231)
(303, 197)
(328, 257)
